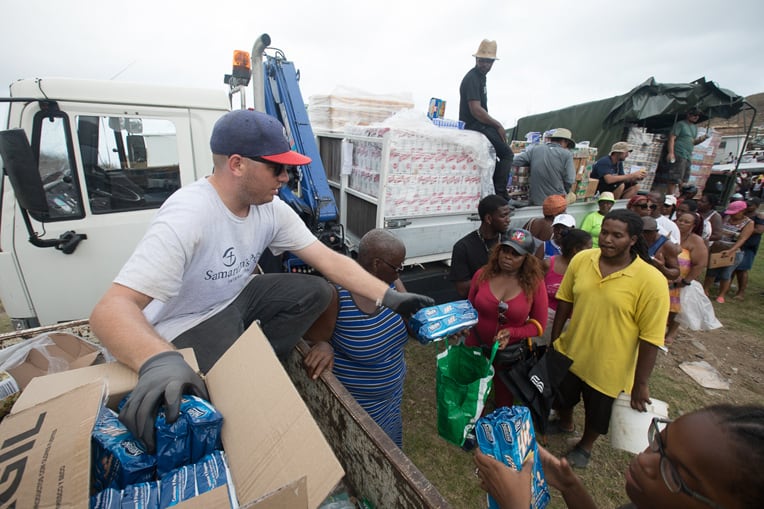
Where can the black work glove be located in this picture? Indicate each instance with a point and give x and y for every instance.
(404, 303)
(162, 379)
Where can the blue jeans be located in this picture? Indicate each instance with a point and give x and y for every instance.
(285, 304)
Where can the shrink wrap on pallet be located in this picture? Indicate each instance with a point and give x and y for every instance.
(427, 170)
(347, 106)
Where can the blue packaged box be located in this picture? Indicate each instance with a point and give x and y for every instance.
(507, 435)
(211, 472)
(173, 443)
(144, 495)
(106, 499)
(437, 108)
(204, 424)
(177, 486)
(118, 458)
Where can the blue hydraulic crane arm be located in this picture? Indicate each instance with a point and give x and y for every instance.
(284, 101)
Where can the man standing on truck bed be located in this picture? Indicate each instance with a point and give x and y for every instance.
(191, 279)
(681, 141)
(473, 111)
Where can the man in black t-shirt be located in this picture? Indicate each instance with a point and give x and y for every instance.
(471, 251)
(473, 111)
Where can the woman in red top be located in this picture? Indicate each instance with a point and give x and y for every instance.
(509, 295)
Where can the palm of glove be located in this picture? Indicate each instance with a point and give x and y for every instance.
(162, 380)
(404, 303)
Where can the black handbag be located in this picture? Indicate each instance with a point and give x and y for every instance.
(511, 354)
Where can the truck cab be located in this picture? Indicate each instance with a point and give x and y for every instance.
(108, 154)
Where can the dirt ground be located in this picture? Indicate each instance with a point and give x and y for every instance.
(736, 355)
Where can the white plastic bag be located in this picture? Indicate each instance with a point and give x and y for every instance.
(697, 311)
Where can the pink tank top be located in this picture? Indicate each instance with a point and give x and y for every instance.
(552, 281)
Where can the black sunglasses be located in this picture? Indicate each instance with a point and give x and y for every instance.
(278, 168)
(397, 269)
(645, 206)
(503, 307)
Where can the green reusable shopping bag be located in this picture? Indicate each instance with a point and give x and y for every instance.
(463, 381)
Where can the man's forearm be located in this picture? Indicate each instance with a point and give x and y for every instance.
(121, 327)
(646, 356)
(563, 313)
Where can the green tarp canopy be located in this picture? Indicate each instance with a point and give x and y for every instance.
(653, 105)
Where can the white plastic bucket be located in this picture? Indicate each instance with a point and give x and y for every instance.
(628, 427)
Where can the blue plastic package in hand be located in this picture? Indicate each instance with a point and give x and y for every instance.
(173, 443)
(438, 322)
(118, 458)
(507, 435)
(204, 424)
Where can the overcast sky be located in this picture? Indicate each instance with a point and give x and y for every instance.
(552, 53)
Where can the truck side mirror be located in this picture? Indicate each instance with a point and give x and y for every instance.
(20, 165)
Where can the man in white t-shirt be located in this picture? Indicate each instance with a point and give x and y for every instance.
(665, 224)
(190, 281)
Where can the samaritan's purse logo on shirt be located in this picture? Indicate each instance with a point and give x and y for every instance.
(229, 258)
(234, 269)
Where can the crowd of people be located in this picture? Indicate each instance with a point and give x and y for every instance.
(613, 289)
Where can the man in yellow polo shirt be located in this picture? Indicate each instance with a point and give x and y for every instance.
(618, 305)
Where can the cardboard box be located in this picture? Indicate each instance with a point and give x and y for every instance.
(274, 447)
(67, 350)
(718, 260)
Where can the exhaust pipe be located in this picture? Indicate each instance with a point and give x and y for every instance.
(258, 80)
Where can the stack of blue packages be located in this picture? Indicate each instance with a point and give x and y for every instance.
(507, 435)
(438, 322)
(188, 459)
(118, 458)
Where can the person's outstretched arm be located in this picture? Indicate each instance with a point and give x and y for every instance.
(560, 475)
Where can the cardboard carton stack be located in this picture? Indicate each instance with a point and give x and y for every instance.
(518, 181)
(583, 158)
(646, 152)
(703, 156)
(427, 170)
(353, 107)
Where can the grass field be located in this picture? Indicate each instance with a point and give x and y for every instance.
(451, 470)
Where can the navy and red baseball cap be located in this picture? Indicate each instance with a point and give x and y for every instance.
(254, 134)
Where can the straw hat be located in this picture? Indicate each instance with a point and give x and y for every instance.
(565, 134)
(487, 49)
